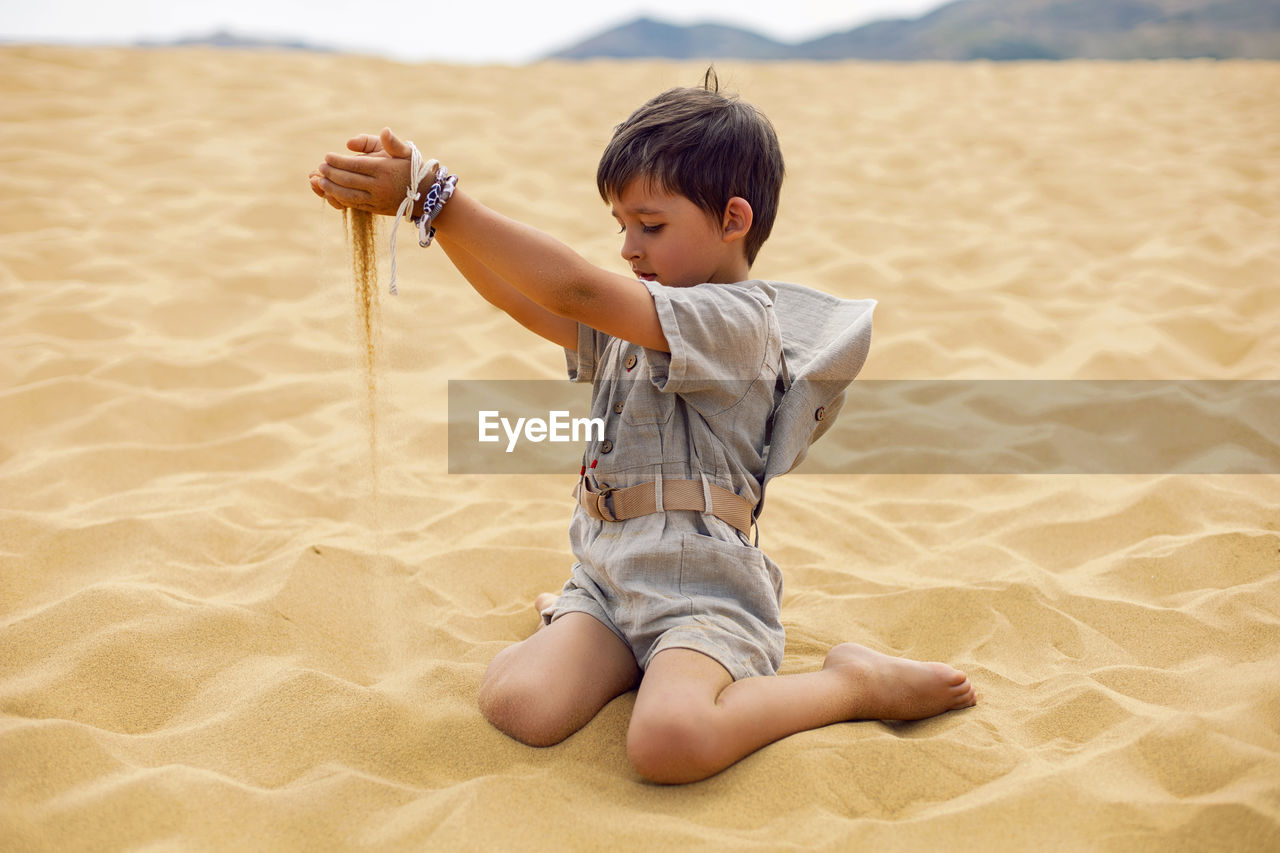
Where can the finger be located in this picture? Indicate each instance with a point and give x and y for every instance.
(318, 189)
(393, 145)
(360, 164)
(353, 172)
(345, 196)
(365, 143)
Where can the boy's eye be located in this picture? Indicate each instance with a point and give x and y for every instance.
(652, 229)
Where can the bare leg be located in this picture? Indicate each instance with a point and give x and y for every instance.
(891, 688)
(692, 720)
(545, 688)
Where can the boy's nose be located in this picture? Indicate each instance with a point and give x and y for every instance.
(630, 249)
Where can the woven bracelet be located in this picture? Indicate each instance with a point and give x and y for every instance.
(441, 191)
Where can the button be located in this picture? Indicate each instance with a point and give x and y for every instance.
(631, 361)
(606, 446)
(617, 408)
(820, 414)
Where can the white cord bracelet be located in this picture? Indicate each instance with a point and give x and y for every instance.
(418, 172)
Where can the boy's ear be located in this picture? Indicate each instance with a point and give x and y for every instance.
(737, 219)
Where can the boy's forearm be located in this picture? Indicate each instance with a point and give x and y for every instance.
(501, 294)
(553, 276)
(483, 280)
(536, 264)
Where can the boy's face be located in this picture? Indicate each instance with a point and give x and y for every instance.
(669, 239)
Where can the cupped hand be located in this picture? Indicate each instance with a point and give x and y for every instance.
(386, 143)
(374, 179)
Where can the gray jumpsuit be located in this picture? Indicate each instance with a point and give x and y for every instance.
(708, 410)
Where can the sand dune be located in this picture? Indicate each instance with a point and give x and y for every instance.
(215, 635)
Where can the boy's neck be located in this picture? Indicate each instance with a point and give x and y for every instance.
(737, 272)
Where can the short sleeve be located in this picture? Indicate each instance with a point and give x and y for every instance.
(722, 338)
(583, 363)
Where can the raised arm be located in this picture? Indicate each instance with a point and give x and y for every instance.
(501, 251)
(499, 292)
(375, 197)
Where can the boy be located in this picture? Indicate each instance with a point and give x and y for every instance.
(699, 390)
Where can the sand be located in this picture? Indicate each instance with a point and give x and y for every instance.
(209, 641)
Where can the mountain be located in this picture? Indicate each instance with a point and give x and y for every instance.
(1067, 29)
(227, 39)
(983, 29)
(645, 37)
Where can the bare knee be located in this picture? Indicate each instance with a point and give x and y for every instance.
(672, 746)
(520, 706)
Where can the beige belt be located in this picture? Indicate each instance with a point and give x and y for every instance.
(676, 494)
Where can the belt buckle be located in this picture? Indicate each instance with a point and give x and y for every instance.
(602, 505)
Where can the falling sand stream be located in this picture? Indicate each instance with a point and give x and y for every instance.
(364, 266)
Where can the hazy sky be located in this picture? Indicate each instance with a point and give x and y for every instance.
(474, 31)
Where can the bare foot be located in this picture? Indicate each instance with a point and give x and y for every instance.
(890, 688)
(545, 600)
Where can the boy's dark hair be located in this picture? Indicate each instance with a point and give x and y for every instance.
(705, 146)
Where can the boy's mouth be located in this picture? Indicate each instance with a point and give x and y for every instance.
(645, 276)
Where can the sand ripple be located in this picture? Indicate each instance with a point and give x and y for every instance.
(213, 639)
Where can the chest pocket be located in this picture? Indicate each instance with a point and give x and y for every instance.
(646, 405)
(641, 403)
(643, 413)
